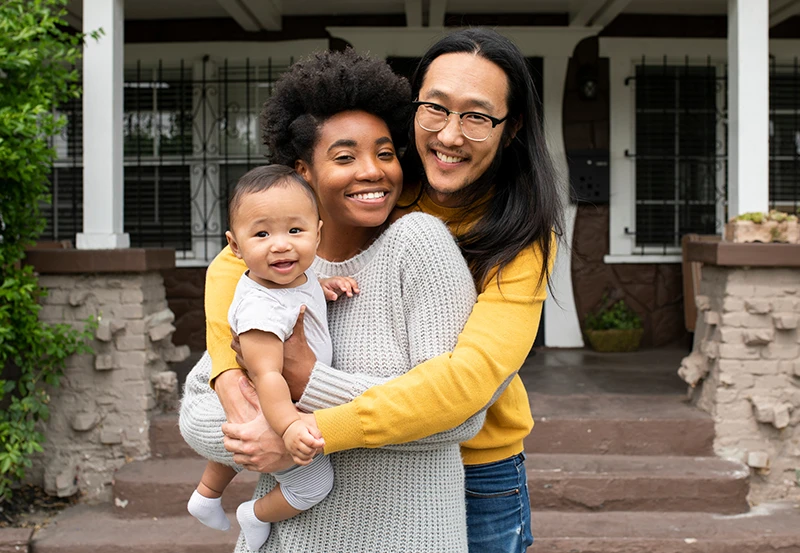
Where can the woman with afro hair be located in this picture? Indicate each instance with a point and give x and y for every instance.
(339, 119)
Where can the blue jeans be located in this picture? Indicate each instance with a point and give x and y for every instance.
(498, 507)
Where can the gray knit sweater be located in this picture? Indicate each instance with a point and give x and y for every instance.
(416, 295)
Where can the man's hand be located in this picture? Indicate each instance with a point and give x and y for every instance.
(298, 359)
(254, 444)
(336, 287)
(237, 408)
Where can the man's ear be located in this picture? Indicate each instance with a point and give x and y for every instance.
(516, 126)
(233, 244)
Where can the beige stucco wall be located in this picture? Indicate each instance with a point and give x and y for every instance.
(745, 371)
(99, 415)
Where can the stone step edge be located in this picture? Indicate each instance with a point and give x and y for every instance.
(769, 527)
(162, 487)
(549, 435)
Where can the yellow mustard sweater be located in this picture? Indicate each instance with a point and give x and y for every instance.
(453, 386)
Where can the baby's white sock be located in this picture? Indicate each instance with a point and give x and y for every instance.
(208, 511)
(255, 531)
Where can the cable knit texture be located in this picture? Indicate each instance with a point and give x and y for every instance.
(416, 295)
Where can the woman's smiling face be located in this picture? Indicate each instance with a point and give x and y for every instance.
(354, 170)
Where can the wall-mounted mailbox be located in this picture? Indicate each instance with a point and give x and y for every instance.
(589, 176)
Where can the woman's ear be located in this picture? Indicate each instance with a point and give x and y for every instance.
(302, 169)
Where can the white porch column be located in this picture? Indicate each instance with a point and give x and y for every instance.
(102, 127)
(561, 326)
(748, 106)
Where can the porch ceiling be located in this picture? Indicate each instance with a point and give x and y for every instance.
(180, 9)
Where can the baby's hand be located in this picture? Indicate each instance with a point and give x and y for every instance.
(335, 287)
(302, 441)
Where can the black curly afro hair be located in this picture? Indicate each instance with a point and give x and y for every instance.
(327, 83)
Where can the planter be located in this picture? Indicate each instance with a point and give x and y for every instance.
(766, 232)
(615, 340)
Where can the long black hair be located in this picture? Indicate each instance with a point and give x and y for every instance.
(519, 192)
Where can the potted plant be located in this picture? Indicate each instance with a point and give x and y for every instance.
(775, 226)
(613, 326)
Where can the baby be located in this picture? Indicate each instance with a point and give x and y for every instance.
(275, 228)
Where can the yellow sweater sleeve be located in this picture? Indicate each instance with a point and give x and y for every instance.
(222, 277)
(490, 350)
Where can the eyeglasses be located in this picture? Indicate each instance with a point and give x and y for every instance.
(474, 125)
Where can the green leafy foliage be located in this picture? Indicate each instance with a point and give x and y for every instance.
(612, 315)
(37, 57)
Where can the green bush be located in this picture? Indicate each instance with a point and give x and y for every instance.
(610, 316)
(37, 60)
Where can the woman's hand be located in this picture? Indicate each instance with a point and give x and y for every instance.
(254, 444)
(237, 408)
(298, 359)
(236, 346)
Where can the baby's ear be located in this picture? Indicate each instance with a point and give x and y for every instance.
(233, 244)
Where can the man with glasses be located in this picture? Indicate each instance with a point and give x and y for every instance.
(484, 169)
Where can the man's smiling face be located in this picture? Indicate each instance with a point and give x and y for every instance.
(460, 82)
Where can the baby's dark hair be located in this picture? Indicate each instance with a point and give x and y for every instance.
(263, 178)
(328, 83)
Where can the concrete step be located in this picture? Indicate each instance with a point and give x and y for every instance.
(161, 487)
(166, 440)
(767, 528)
(619, 424)
(582, 424)
(636, 483)
(95, 529)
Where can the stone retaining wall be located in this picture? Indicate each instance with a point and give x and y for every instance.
(100, 413)
(745, 371)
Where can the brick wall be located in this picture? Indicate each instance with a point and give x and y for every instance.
(745, 370)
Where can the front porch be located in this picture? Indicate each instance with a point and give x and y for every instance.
(618, 461)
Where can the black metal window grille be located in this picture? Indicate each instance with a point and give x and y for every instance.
(64, 213)
(157, 132)
(190, 131)
(680, 153)
(784, 136)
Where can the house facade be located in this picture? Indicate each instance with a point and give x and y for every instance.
(665, 119)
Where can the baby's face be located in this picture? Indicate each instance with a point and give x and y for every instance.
(276, 233)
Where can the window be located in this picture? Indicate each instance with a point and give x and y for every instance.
(157, 130)
(784, 137)
(678, 158)
(189, 133)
